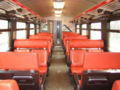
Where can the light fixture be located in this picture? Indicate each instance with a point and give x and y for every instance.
(58, 11)
(58, 15)
(58, 5)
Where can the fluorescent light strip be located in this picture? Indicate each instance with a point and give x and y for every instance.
(58, 5)
(58, 11)
(58, 15)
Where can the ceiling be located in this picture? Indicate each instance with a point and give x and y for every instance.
(72, 7)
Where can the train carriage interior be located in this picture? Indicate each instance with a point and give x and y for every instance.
(59, 44)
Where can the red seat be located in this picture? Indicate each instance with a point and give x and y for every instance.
(46, 34)
(73, 37)
(116, 85)
(50, 40)
(77, 60)
(36, 46)
(8, 85)
(19, 61)
(98, 61)
(30, 43)
(86, 43)
(43, 60)
(78, 47)
(24, 67)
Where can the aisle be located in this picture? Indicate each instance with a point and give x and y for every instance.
(58, 78)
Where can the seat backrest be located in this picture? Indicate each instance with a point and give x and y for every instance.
(86, 43)
(8, 85)
(40, 37)
(30, 43)
(42, 57)
(101, 60)
(116, 85)
(77, 57)
(18, 61)
(66, 39)
(45, 34)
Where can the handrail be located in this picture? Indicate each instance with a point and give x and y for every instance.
(67, 28)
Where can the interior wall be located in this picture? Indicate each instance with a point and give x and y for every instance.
(65, 20)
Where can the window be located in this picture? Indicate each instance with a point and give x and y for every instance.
(21, 34)
(115, 25)
(78, 29)
(21, 25)
(4, 41)
(44, 27)
(84, 29)
(32, 31)
(96, 26)
(3, 24)
(114, 37)
(95, 33)
(114, 42)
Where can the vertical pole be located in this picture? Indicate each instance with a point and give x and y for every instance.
(80, 28)
(28, 29)
(39, 27)
(105, 36)
(12, 27)
(88, 29)
(75, 26)
(35, 28)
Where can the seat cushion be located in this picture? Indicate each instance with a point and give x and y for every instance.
(43, 70)
(116, 85)
(8, 85)
(76, 70)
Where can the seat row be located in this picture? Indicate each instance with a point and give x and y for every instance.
(89, 65)
(12, 85)
(28, 63)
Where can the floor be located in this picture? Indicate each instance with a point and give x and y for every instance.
(58, 77)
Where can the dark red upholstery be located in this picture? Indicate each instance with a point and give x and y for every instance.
(8, 85)
(116, 85)
(30, 43)
(19, 61)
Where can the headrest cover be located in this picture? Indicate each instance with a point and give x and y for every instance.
(86, 43)
(8, 85)
(30, 43)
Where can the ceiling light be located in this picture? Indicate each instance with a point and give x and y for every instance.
(58, 15)
(58, 5)
(58, 11)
